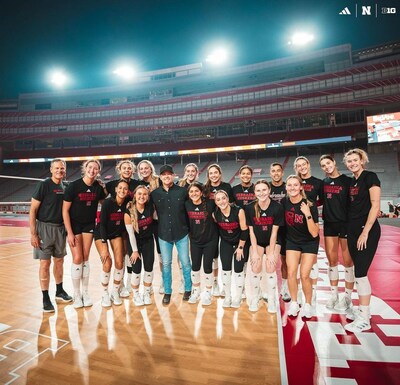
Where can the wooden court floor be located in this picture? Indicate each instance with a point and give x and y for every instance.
(178, 344)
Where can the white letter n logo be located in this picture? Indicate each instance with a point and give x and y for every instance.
(366, 10)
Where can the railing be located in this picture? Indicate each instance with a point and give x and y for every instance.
(15, 207)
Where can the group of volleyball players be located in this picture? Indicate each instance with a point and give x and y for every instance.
(257, 223)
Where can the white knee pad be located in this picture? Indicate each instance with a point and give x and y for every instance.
(85, 269)
(363, 286)
(118, 274)
(105, 278)
(333, 273)
(209, 279)
(76, 271)
(148, 277)
(135, 279)
(195, 277)
(349, 274)
(314, 271)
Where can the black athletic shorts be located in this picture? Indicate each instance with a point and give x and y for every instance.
(335, 229)
(310, 247)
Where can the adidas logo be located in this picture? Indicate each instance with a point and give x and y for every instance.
(119, 210)
(88, 190)
(143, 217)
(196, 209)
(345, 11)
(332, 182)
(246, 191)
(263, 215)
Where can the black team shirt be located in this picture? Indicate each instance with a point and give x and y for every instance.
(243, 195)
(278, 192)
(262, 226)
(229, 227)
(111, 219)
(360, 202)
(132, 184)
(203, 229)
(145, 222)
(84, 200)
(312, 188)
(51, 196)
(170, 206)
(335, 198)
(296, 222)
(222, 186)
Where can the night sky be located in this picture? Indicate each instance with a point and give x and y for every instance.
(88, 37)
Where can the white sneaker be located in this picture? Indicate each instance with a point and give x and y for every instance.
(352, 313)
(182, 287)
(254, 303)
(344, 304)
(293, 309)
(332, 302)
(194, 297)
(87, 301)
(147, 298)
(161, 290)
(115, 298)
(215, 289)
(105, 300)
(227, 302)
(244, 293)
(271, 305)
(307, 311)
(78, 303)
(125, 292)
(206, 300)
(137, 299)
(236, 302)
(358, 325)
(285, 294)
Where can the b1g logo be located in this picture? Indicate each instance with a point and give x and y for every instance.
(388, 11)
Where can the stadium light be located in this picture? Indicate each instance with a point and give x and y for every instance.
(58, 78)
(301, 39)
(125, 72)
(218, 57)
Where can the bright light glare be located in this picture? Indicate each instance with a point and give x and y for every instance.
(58, 78)
(218, 57)
(301, 38)
(125, 72)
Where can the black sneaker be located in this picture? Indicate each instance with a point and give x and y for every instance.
(48, 306)
(63, 297)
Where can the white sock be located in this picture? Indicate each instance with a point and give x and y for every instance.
(226, 282)
(239, 279)
(105, 279)
(271, 284)
(255, 283)
(76, 275)
(85, 275)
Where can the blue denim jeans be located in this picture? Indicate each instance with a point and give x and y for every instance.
(182, 247)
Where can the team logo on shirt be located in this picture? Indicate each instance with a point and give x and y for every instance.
(292, 218)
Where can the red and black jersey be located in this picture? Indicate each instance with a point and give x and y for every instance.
(111, 223)
(312, 188)
(84, 200)
(360, 201)
(334, 197)
(229, 227)
(243, 195)
(262, 226)
(202, 228)
(296, 221)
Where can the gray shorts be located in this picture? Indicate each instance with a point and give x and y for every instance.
(52, 241)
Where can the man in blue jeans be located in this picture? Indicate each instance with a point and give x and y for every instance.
(169, 200)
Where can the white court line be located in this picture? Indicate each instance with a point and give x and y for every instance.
(281, 346)
(16, 255)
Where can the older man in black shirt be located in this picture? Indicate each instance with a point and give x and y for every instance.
(169, 201)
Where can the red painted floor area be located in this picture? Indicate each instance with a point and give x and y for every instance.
(320, 351)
